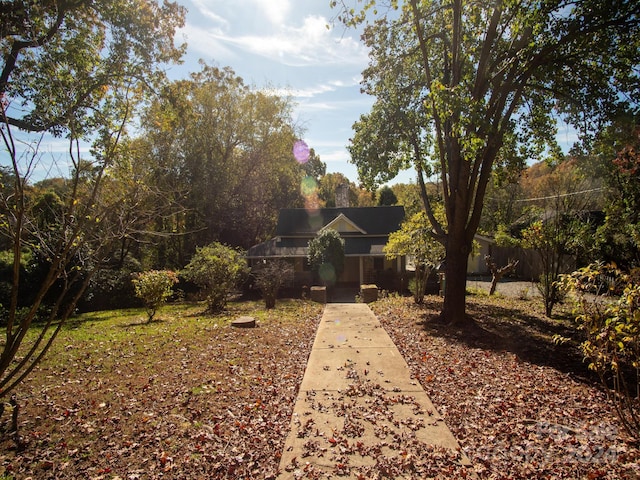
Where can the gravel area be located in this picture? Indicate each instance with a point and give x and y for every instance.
(506, 287)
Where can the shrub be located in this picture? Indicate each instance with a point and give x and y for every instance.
(112, 287)
(326, 256)
(414, 239)
(154, 288)
(270, 276)
(612, 328)
(218, 270)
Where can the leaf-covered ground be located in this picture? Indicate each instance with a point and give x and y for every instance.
(189, 396)
(521, 406)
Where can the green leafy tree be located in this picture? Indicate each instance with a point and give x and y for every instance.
(218, 270)
(74, 69)
(270, 277)
(408, 195)
(386, 196)
(227, 150)
(459, 84)
(326, 256)
(154, 288)
(415, 240)
(314, 167)
(61, 59)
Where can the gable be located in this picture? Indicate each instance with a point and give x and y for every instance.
(342, 224)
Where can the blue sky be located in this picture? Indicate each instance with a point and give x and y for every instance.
(286, 45)
(291, 46)
(295, 47)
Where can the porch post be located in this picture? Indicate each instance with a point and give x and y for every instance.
(361, 270)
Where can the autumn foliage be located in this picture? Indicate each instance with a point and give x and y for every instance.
(608, 308)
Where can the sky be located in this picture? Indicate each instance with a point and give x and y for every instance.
(291, 46)
(296, 48)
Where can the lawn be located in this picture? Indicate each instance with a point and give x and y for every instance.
(188, 396)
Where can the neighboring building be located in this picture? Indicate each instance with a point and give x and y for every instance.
(483, 247)
(365, 231)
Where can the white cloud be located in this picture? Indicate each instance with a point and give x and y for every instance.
(333, 156)
(207, 43)
(310, 43)
(236, 13)
(276, 11)
(206, 11)
(319, 106)
(312, 91)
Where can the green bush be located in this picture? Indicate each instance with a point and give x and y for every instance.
(218, 270)
(608, 311)
(112, 288)
(326, 256)
(154, 288)
(6, 277)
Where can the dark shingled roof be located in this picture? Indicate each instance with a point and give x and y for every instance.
(296, 226)
(373, 220)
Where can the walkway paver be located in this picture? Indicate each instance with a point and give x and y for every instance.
(359, 413)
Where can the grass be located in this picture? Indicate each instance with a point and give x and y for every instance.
(115, 392)
(189, 396)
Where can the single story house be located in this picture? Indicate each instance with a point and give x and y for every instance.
(365, 231)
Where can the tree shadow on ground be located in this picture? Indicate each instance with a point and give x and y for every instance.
(79, 320)
(516, 329)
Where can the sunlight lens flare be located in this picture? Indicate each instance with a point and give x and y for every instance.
(301, 151)
(327, 274)
(309, 186)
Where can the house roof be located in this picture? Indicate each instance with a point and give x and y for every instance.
(365, 230)
(369, 220)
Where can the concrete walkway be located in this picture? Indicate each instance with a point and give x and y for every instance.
(359, 414)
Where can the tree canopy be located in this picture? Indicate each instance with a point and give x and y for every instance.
(462, 85)
(61, 58)
(227, 149)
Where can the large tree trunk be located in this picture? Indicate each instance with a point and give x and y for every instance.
(454, 312)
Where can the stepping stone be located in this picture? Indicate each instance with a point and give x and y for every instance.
(244, 322)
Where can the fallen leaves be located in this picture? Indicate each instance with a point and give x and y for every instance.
(188, 397)
(515, 419)
(365, 430)
(181, 398)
